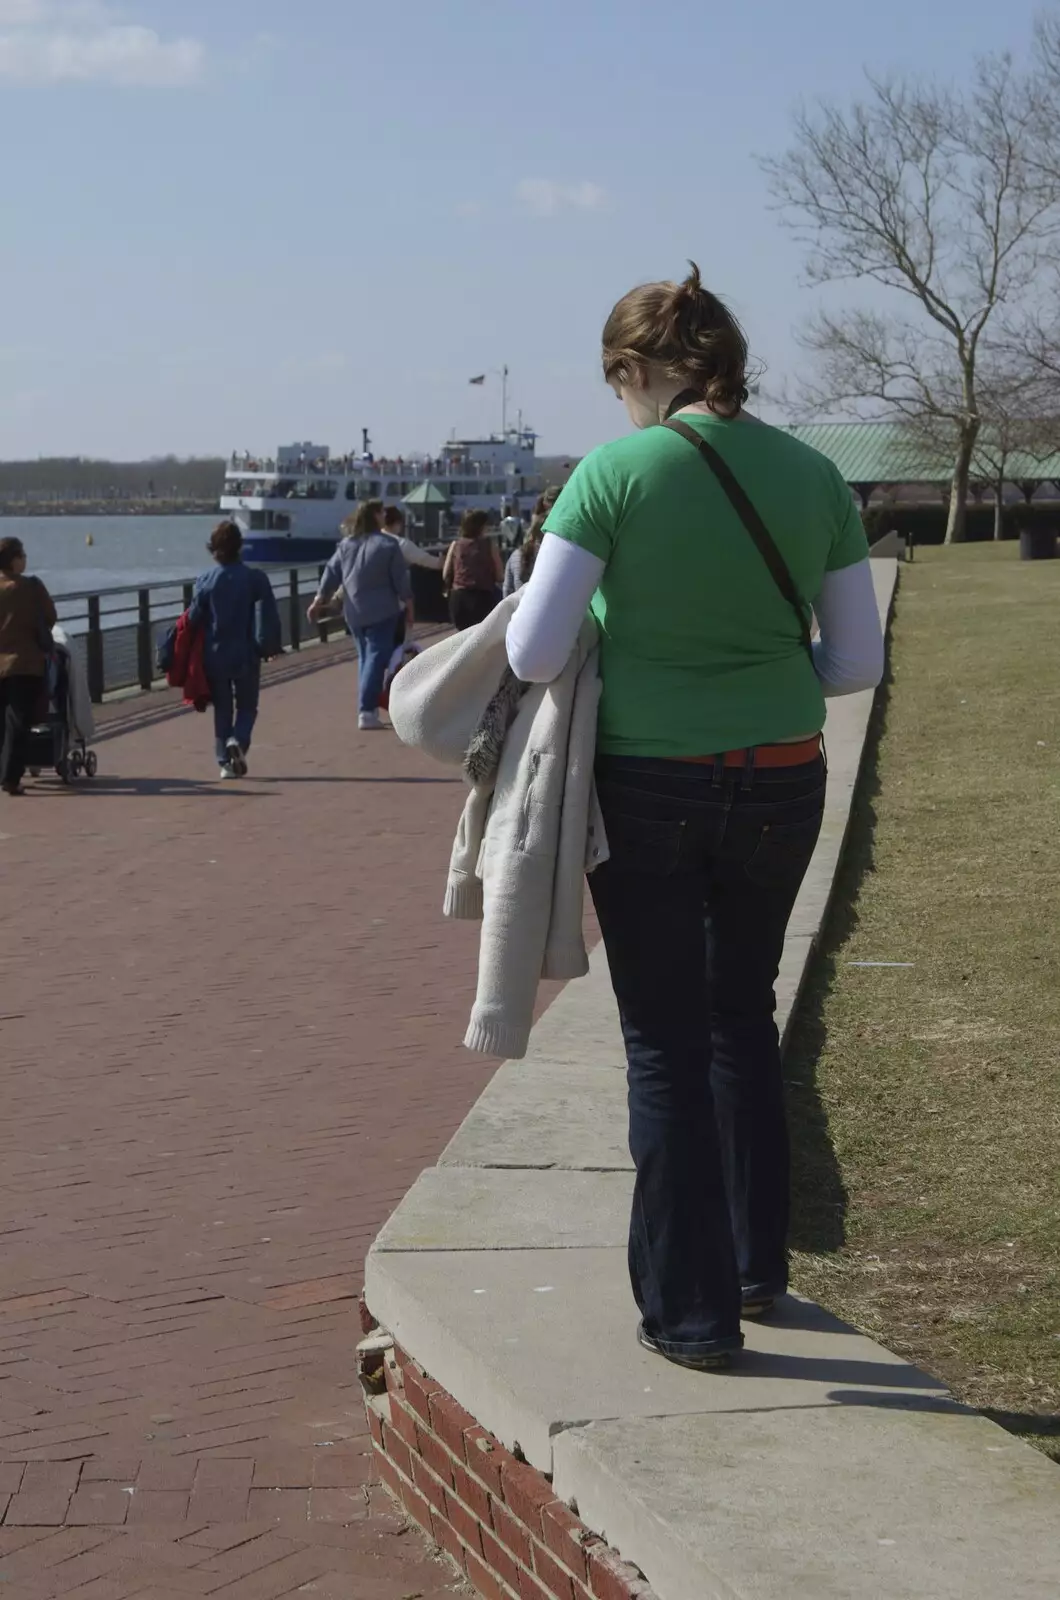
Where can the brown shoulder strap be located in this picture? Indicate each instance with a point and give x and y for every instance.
(747, 514)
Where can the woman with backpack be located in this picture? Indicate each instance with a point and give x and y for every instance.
(701, 543)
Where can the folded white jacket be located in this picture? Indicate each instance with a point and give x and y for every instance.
(531, 827)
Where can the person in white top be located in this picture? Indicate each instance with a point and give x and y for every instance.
(415, 555)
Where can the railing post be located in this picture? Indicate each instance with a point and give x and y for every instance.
(94, 649)
(144, 664)
(295, 612)
(322, 627)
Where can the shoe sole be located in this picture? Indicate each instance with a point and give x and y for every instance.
(237, 761)
(756, 1310)
(719, 1363)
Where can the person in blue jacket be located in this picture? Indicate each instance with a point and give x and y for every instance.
(235, 606)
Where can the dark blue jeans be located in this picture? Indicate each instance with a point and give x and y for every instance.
(705, 868)
(235, 707)
(375, 646)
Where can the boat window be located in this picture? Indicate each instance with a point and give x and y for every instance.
(257, 521)
(406, 487)
(497, 486)
(456, 488)
(393, 489)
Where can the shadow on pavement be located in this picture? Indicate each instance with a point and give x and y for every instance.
(103, 785)
(328, 778)
(250, 788)
(819, 1197)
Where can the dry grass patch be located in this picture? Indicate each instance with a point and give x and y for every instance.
(926, 1099)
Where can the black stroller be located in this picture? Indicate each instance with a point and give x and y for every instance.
(55, 740)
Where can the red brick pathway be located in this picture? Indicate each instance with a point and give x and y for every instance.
(229, 1025)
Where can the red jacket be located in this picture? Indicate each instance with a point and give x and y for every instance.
(188, 671)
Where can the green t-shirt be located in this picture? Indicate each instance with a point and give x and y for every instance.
(700, 652)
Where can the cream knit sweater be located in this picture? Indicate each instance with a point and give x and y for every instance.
(531, 827)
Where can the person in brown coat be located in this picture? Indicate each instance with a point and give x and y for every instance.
(27, 616)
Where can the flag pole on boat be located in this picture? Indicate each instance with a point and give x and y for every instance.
(503, 376)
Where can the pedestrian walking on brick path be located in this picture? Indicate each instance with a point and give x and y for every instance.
(372, 573)
(415, 555)
(473, 572)
(702, 545)
(521, 561)
(27, 616)
(235, 606)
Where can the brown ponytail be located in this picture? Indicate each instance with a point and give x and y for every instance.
(532, 543)
(687, 332)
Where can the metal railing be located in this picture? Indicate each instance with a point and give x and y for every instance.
(116, 632)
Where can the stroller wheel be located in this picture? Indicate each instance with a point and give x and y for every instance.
(34, 772)
(91, 764)
(63, 771)
(76, 762)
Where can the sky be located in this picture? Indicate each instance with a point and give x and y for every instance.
(231, 224)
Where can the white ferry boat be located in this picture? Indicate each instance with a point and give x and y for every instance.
(291, 505)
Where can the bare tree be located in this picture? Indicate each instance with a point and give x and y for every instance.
(940, 197)
(1019, 428)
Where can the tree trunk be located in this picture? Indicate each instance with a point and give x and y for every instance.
(956, 524)
(999, 507)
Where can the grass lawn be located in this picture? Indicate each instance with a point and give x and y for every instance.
(926, 1099)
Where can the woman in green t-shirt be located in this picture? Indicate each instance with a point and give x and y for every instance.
(711, 776)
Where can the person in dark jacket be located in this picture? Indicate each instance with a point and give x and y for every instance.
(236, 608)
(27, 616)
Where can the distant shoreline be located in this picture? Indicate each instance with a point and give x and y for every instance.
(110, 508)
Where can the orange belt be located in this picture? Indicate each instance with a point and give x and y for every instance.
(763, 755)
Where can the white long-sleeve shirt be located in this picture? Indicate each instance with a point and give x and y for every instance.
(415, 555)
(848, 656)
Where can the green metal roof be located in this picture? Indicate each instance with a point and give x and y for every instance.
(427, 494)
(889, 452)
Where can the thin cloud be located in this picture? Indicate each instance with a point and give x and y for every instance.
(86, 41)
(544, 197)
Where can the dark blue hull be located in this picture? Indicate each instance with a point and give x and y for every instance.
(288, 550)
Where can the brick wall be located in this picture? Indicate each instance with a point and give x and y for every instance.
(494, 1515)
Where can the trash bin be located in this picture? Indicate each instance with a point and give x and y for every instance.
(1038, 544)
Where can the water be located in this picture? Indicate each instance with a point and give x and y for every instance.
(159, 553)
(125, 550)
